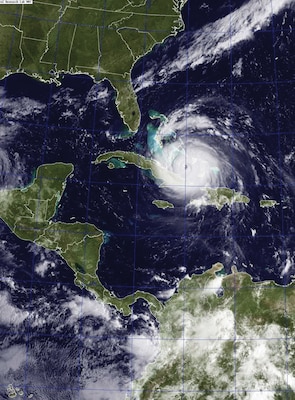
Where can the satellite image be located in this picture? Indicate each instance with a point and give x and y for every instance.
(147, 199)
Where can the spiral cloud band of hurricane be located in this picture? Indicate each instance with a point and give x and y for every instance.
(198, 149)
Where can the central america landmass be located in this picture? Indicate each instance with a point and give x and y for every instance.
(28, 212)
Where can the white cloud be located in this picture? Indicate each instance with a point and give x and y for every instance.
(210, 42)
(11, 166)
(98, 93)
(209, 336)
(160, 278)
(213, 285)
(215, 38)
(10, 282)
(20, 107)
(12, 358)
(165, 294)
(144, 349)
(238, 68)
(261, 358)
(146, 80)
(43, 266)
(8, 131)
(196, 204)
(83, 306)
(216, 325)
(288, 264)
(9, 314)
(110, 387)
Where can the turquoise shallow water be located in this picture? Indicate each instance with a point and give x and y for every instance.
(154, 141)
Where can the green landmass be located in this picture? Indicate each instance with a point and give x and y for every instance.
(29, 211)
(268, 203)
(158, 135)
(127, 157)
(162, 204)
(100, 38)
(223, 337)
(219, 197)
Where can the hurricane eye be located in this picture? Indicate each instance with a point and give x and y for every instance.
(191, 162)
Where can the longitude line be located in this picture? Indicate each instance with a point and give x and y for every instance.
(43, 150)
(82, 338)
(185, 227)
(233, 225)
(8, 63)
(136, 215)
(7, 67)
(282, 196)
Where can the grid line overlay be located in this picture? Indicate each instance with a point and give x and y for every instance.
(281, 193)
(31, 17)
(149, 184)
(7, 66)
(83, 129)
(43, 151)
(232, 119)
(137, 235)
(156, 236)
(94, 116)
(27, 322)
(183, 388)
(132, 368)
(209, 84)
